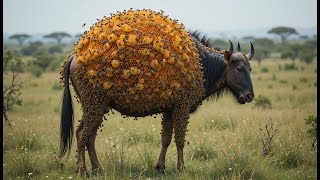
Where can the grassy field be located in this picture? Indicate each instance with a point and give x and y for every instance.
(224, 139)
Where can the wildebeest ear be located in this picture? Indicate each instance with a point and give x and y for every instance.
(227, 56)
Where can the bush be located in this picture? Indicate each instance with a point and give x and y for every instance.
(262, 102)
(294, 87)
(290, 67)
(43, 60)
(303, 79)
(12, 84)
(28, 50)
(283, 81)
(264, 69)
(55, 49)
(311, 120)
(57, 86)
(36, 71)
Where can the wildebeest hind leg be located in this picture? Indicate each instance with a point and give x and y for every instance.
(81, 168)
(96, 168)
(92, 117)
(166, 136)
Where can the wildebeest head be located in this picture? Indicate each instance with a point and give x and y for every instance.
(238, 78)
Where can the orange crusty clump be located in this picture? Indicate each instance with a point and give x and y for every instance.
(139, 55)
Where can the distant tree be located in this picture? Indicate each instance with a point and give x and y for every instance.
(283, 32)
(304, 37)
(308, 51)
(58, 36)
(263, 48)
(77, 36)
(42, 60)
(20, 38)
(291, 51)
(247, 38)
(36, 43)
(219, 44)
(55, 49)
(305, 52)
(32, 48)
(314, 36)
(12, 83)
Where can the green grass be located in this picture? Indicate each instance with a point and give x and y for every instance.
(222, 138)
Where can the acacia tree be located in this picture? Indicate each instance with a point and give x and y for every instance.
(20, 38)
(263, 47)
(12, 84)
(283, 32)
(58, 36)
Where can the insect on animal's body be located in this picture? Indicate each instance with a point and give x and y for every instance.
(124, 64)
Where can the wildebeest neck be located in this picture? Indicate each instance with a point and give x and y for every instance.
(214, 69)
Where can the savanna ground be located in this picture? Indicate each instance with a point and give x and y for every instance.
(223, 138)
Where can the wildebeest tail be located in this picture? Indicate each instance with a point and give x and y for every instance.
(66, 126)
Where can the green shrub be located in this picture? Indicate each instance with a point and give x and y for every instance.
(311, 120)
(43, 60)
(290, 67)
(54, 65)
(274, 77)
(36, 71)
(264, 69)
(57, 86)
(282, 81)
(55, 49)
(303, 79)
(262, 102)
(294, 87)
(29, 50)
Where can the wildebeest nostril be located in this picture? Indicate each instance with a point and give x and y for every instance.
(249, 96)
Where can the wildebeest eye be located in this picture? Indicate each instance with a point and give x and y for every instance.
(239, 68)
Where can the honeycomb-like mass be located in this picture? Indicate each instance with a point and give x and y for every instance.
(142, 58)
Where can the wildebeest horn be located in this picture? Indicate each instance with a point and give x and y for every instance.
(251, 53)
(239, 48)
(230, 50)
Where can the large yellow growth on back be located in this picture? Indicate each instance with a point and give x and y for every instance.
(142, 53)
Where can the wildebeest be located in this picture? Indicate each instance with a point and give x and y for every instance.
(137, 65)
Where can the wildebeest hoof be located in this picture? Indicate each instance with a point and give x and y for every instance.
(97, 171)
(81, 172)
(181, 169)
(160, 168)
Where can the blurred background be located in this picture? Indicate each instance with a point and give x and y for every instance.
(45, 31)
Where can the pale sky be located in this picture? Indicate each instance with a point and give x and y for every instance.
(45, 16)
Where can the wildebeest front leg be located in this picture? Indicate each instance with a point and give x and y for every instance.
(180, 117)
(167, 129)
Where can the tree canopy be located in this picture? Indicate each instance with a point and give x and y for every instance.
(20, 38)
(283, 32)
(58, 36)
(263, 47)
